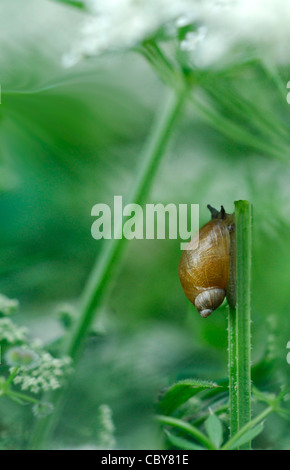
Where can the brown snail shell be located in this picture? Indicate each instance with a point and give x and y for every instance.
(204, 271)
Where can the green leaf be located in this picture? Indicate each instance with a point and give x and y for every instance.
(214, 429)
(187, 428)
(182, 443)
(248, 436)
(180, 392)
(72, 3)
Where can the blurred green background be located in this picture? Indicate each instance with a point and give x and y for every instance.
(72, 138)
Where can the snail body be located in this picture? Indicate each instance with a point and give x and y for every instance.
(206, 268)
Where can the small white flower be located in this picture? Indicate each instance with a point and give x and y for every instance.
(8, 306)
(11, 333)
(46, 375)
(117, 24)
(193, 39)
(263, 24)
(183, 21)
(21, 357)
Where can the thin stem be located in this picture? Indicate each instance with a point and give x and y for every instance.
(232, 348)
(11, 377)
(243, 213)
(233, 131)
(188, 428)
(247, 109)
(240, 324)
(247, 427)
(162, 65)
(102, 273)
(272, 72)
(104, 267)
(23, 397)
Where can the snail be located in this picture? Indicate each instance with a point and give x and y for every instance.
(207, 270)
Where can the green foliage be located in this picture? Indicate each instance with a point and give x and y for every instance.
(214, 430)
(192, 433)
(247, 437)
(180, 392)
(181, 443)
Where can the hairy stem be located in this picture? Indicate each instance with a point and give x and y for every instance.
(247, 427)
(105, 266)
(232, 350)
(240, 324)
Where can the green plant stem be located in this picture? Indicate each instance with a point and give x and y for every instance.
(163, 67)
(11, 377)
(232, 348)
(188, 428)
(102, 273)
(105, 266)
(233, 131)
(239, 327)
(23, 397)
(251, 424)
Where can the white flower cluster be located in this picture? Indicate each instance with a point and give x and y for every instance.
(116, 24)
(11, 333)
(45, 376)
(220, 26)
(262, 24)
(7, 306)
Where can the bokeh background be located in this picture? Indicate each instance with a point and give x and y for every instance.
(70, 138)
